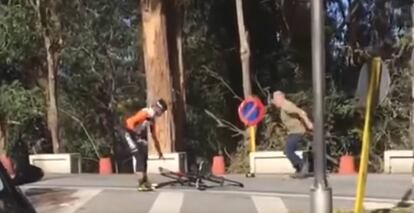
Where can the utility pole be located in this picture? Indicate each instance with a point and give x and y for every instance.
(321, 193)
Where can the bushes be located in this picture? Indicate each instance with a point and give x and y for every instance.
(20, 110)
(344, 124)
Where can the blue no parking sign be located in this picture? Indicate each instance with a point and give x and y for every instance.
(251, 111)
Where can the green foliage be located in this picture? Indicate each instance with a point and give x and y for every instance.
(392, 117)
(19, 108)
(18, 104)
(206, 70)
(18, 35)
(206, 93)
(101, 78)
(100, 84)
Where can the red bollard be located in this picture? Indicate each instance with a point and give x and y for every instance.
(346, 165)
(218, 167)
(105, 166)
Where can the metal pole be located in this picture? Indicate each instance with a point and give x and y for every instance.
(252, 139)
(321, 193)
(366, 138)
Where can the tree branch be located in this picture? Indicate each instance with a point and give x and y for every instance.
(264, 91)
(217, 77)
(14, 122)
(281, 10)
(348, 18)
(225, 124)
(401, 51)
(112, 73)
(33, 4)
(341, 8)
(91, 140)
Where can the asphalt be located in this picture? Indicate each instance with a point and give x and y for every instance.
(110, 193)
(378, 185)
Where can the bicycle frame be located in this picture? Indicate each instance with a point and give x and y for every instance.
(197, 179)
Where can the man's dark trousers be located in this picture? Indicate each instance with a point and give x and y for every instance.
(292, 144)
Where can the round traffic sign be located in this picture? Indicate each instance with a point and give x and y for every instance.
(251, 111)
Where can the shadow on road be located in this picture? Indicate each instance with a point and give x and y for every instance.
(406, 197)
(50, 196)
(403, 204)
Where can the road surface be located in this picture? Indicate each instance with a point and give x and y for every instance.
(265, 193)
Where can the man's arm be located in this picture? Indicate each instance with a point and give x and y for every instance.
(306, 119)
(156, 141)
(292, 108)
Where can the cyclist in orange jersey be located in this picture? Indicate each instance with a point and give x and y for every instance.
(136, 137)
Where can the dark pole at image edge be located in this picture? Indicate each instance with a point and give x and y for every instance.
(321, 194)
(318, 73)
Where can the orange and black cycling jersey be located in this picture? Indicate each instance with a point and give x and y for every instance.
(139, 121)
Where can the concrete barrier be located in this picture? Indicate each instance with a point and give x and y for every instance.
(398, 161)
(271, 162)
(176, 161)
(64, 163)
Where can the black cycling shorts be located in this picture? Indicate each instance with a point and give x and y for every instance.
(141, 156)
(139, 150)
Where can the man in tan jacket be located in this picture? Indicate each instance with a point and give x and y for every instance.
(296, 122)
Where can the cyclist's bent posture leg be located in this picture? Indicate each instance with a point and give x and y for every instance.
(139, 151)
(141, 158)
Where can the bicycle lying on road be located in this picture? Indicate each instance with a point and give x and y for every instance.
(197, 179)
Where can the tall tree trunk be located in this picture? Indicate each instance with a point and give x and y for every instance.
(46, 14)
(244, 55)
(244, 49)
(412, 99)
(174, 32)
(52, 111)
(158, 75)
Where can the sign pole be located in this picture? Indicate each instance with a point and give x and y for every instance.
(366, 138)
(251, 112)
(321, 193)
(252, 131)
(252, 139)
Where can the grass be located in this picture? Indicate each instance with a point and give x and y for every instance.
(395, 210)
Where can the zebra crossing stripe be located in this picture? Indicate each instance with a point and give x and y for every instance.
(377, 205)
(266, 204)
(168, 202)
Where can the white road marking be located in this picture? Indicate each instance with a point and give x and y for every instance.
(257, 193)
(83, 196)
(168, 202)
(265, 204)
(377, 205)
(302, 195)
